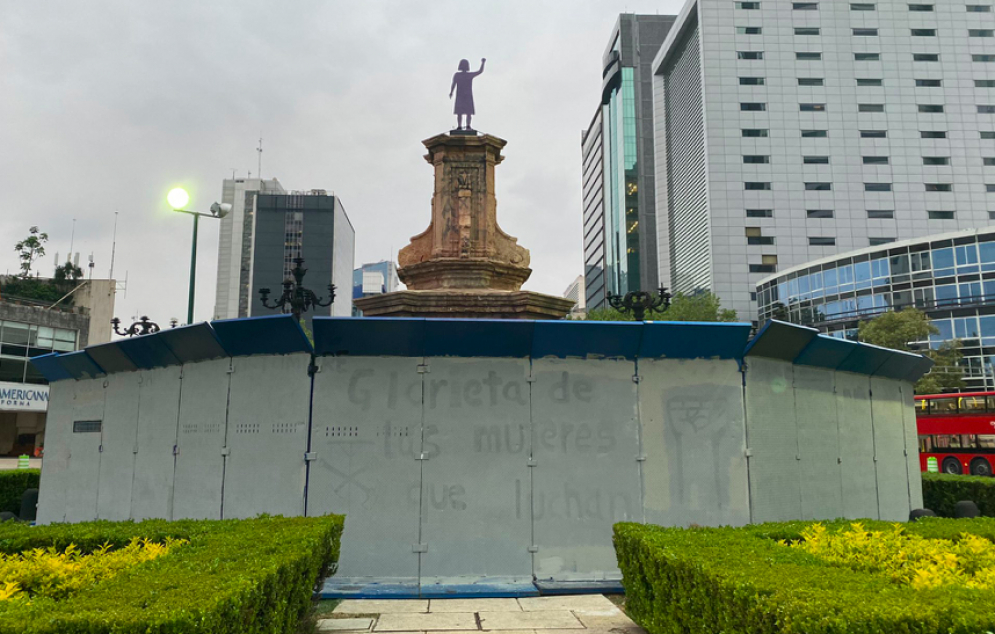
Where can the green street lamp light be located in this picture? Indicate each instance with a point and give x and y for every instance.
(178, 198)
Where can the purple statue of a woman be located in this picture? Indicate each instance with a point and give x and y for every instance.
(463, 85)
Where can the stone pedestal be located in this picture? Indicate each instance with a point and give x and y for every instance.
(464, 265)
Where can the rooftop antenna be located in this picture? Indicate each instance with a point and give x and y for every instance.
(259, 170)
(72, 239)
(113, 248)
(233, 173)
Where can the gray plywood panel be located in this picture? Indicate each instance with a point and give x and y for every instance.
(55, 463)
(366, 432)
(197, 484)
(117, 456)
(818, 443)
(775, 489)
(152, 491)
(856, 434)
(84, 452)
(586, 445)
(267, 436)
(694, 441)
(477, 447)
(889, 449)
(911, 446)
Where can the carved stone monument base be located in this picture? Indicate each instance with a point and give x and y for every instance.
(465, 304)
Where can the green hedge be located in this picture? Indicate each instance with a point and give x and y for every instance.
(235, 576)
(738, 580)
(13, 484)
(940, 492)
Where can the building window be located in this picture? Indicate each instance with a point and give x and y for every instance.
(925, 57)
(753, 107)
(805, 6)
(867, 83)
(867, 57)
(754, 159)
(819, 213)
(870, 107)
(923, 32)
(750, 54)
(818, 187)
(984, 83)
(814, 134)
(979, 8)
(815, 160)
(990, 188)
(865, 32)
(988, 161)
(880, 214)
(940, 215)
(980, 33)
(930, 108)
(991, 215)
(806, 30)
(759, 213)
(751, 81)
(939, 187)
(873, 134)
(293, 230)
(812, 107)
(877, 187)
(861, 6)
(748, 30)
(810, 81)
(808, 57)
(755, 132)
(875, 160)
(987, 134)
(986, 109)
(754, 237)
(879, 241)
(928, 83)
(983, 58)
(920, 7)
(756, 186)
(748, 6)
(763, 268)
(936, 160)
(933, 134)
(821, 242)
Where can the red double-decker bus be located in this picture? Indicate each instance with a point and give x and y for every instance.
(957, 432)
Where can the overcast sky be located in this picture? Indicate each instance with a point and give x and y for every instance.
(106, 105)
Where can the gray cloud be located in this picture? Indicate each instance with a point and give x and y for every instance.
(105, 106)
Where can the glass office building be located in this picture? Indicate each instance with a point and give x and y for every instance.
(950, 276)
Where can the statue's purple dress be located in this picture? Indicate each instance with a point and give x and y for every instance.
(464, 92)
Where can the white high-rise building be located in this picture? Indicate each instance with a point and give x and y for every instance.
(791, 131)
(235, 244)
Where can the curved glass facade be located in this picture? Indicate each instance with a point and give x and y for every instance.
(951, 277)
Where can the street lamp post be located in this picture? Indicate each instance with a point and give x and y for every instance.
(638, 302)
(178, 199)
(295, 297)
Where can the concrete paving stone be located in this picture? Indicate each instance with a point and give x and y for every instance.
(539, 620)
(344, 625)
(594, 603)
(474, 605)
(381, 606)
(408, 622)
(620, 624)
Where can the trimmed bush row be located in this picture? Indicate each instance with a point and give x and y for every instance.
(941, 491)
(235, 576)
(739, 580)
(13, 484)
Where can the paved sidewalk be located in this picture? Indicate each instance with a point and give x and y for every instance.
(576, 614)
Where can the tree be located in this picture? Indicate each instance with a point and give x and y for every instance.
(701, 306)
(899, 330)
(30, 249)
(68, 272)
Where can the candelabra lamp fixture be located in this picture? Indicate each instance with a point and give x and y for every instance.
(295, 298)
(638, 302)
(141, 327)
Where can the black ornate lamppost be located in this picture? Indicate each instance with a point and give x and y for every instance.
(295, 296)
(640, 301)
(141, 327)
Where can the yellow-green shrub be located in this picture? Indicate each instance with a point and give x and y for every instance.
(234, 576)
(744, 580)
